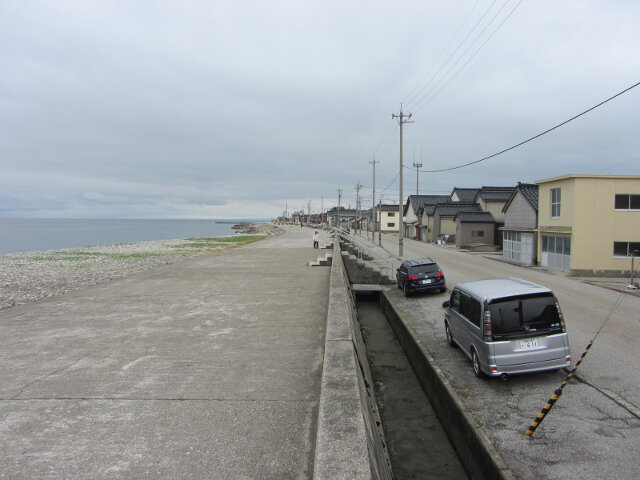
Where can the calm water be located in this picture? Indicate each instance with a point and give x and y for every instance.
(25, 235)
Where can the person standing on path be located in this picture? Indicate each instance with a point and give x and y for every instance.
(316, 239)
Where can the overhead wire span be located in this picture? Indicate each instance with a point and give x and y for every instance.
(419, 107)
(462, 55)
(390, 183)
(388, 138)
(412, 94)
(535, 136)
(635, 159)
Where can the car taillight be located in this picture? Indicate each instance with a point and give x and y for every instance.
(486, 326)
(561, 317)
(439, 274)
(412, 277)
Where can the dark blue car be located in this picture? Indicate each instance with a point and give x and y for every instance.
(420, 275)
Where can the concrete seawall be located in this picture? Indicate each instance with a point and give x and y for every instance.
(349, 442)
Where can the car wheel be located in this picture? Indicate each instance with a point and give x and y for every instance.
(447, 331)
(406, 290)
(476, 364)
(443, 289)
(399, 286)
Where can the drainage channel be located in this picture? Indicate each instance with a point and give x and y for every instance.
(417, 443)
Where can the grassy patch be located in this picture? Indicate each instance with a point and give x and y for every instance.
(82, 256)
(133, 256)
(210, 242)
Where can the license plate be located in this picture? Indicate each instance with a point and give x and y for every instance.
(529, 344)
(427, 280)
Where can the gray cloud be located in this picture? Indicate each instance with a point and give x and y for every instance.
(154, 109)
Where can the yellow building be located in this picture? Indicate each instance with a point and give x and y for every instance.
(589, 224)
(387, 217)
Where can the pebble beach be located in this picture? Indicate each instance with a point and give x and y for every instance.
(27, 277)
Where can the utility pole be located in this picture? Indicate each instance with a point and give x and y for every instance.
(339, 198)
(417, 165)
(309, 212)
(373, 201)
(358, 187)
(401, 121)
(321, 209)
(380, 223)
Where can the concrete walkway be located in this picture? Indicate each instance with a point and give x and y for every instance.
(209, 368)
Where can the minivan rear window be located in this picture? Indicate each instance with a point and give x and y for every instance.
(524, 316)
(429, 268)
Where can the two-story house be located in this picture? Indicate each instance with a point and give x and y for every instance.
(589, 224)
(413, 211)
(519, 234)
(386, 217)
(493, 199)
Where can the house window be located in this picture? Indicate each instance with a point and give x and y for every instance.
(391, 214)
(625, 249)
(627, 202)
(391, 224)
(561, 245)
(555, 202)
(477, 233)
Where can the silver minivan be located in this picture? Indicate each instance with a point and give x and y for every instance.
(507, 326)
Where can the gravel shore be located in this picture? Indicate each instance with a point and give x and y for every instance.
(26, 277)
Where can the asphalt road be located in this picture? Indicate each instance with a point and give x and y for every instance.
(613, 363)
(594, 429)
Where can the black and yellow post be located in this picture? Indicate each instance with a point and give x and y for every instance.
(556, 394)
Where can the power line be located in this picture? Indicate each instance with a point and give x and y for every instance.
(413, 105)
(430, 99)
(413, 94)
(390, 183)
(633, 160)
(534, 137)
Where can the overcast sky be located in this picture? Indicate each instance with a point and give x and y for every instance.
(209, 109)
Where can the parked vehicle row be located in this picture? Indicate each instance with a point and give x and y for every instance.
(505, 326)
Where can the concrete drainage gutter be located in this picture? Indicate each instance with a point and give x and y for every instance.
(349, 445)
(478, 455)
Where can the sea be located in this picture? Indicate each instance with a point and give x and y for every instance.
(27, 235)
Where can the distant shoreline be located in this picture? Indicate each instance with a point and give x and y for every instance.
(31, 276)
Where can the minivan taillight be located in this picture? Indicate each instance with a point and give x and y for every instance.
(486, 326)
(561, 317)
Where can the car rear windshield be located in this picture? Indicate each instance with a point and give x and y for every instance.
(524, 316)
(428, 268)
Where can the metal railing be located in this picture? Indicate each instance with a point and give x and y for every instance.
(381, 258)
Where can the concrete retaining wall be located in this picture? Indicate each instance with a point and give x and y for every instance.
(363, 272)
(342, 446)
(476, 452)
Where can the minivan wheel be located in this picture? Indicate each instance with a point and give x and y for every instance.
(447, 331)
(476, 364)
